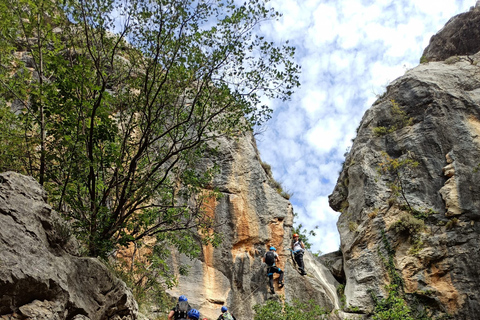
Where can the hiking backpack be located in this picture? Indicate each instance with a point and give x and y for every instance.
(182, 310)
(227, 316)
(270, 258)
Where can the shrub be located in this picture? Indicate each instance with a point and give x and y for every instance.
(408, 223)
(267, 168)
(394, 307)
(352, 226)
(452, 223)
(452, 60)
(400, 120)
(380, 131)
(423, 59)
(280, 310)
(372, 214)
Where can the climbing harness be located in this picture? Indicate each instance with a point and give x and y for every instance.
(295, 265)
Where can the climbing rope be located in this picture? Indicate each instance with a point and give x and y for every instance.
(248, 297)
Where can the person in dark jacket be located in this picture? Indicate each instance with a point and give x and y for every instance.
(226, 315)
(271, 258)
(180, 311)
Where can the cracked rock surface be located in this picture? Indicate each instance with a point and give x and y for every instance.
(41, 274)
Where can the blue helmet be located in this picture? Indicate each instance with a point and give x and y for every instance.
(193, 313)
(182, 298)
(273, 249)
(224, 309)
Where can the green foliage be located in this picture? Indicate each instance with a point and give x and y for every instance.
(13, 149)
(395, 277)
(408, 223)
(274, 183)
(119, 107)
(304, 234)
(423, 59)
(352, 226)
(341, 294)
(147, 276)
(451, 223)
(400, 120)
(417, 245)
(372, 214)
(422, 213)
(380, 131)
(274, 309)
(452, 60)
(397, 168)
(394, 307)
(267, 168)
(318, 253)
(117, 104)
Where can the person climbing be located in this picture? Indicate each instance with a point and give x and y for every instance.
(298, 248)
(180, 311)
(193, 314)
(270, 258)
(226, 315)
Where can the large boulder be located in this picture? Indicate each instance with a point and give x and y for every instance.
(39, 279)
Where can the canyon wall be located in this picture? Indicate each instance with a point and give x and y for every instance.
(252, 216)
(409, 189)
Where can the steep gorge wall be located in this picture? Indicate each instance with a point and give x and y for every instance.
(438, 126)
(252, 216)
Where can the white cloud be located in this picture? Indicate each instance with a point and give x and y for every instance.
(349, 51)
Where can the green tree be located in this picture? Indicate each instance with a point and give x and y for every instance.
(398, 168)
(124, 98)
(305, 235)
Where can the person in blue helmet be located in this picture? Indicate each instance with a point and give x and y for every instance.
(180, 311)
(271, 258)
(226, 315)
(193, 314)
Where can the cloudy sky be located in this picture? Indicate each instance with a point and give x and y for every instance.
(349, 51)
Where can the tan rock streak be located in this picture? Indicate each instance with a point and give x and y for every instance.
(449, 191)
(246, 226)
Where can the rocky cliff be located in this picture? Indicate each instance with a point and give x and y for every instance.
(41, 274)
(252, 216)
(409, 189)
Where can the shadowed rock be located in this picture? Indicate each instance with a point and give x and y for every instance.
(39, 279)
(459, 37)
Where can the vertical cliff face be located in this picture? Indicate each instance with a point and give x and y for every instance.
(252, 216)
(411, 183)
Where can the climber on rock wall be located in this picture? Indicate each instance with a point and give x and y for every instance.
(226, 315)
(298, 248)
(193, 314)
(180, 311)
(270, 258)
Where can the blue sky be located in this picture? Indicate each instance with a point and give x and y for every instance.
(349, 51)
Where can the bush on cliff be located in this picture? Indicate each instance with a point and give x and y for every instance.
(274, 309)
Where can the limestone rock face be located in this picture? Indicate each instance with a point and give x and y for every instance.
(459, 37)
(411, 182)
(252, 216)
(39, 279)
